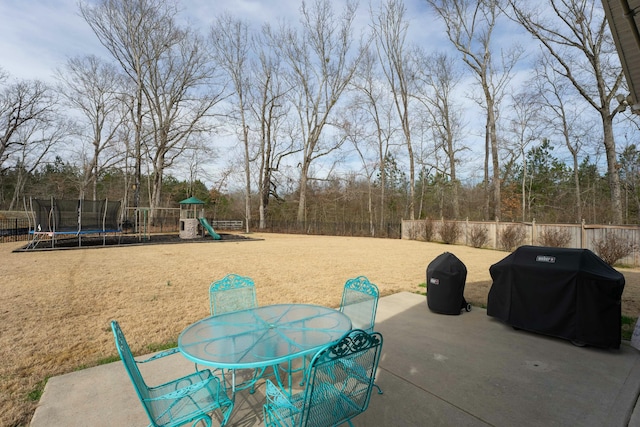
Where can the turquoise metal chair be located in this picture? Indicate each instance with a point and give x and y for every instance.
(338, 385)
(360, 302)
(188, 399)
(232, 293)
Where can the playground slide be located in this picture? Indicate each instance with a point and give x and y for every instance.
(209, 229)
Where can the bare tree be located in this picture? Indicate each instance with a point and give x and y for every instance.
(321, 64)
(170, 70)
(371, 98)
(470, 26)
(390, 30)
(364, 141)
(181, 93)
(440, 75)
(21, 104)
(123, 27)
(231, 49)
(576, 35)
(39, 140)
(93, 87)
(270, 111)
(565, 117)
(29, 128)
(522, 126)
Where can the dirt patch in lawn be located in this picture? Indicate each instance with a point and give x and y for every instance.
(55, 306)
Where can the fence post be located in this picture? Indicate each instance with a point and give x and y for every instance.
(533, 232)
(466, 232)
(582, 234)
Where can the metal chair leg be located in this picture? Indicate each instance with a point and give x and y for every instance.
(378, 387)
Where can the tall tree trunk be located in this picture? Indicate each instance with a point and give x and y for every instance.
(612, 167)
(247, 174)
(524, 185)
(302, 197)
(576, 181)
(493, 137)
(156, 189)
(383, 192)
(485, 182)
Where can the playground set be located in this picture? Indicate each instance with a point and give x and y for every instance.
(60, 220)
(192, 215)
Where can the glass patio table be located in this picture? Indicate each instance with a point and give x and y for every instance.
(262, 337)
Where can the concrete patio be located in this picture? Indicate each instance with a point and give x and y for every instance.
(436, 370)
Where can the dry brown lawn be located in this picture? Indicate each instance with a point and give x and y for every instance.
(55, 306)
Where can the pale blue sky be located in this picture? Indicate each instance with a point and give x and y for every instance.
(36, 36)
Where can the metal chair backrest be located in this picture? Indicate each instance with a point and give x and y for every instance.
(360, 302)
(190, 398)
(232, 293)
(340, 379)
(142, 390)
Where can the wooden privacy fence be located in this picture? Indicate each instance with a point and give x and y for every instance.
(583, 236)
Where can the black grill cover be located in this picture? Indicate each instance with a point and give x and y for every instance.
(446, 277)
(566, 293)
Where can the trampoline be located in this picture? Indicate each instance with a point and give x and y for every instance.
(59, 218)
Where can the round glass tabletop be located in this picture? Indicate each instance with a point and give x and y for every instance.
(262, 336)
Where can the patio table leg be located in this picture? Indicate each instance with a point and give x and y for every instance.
(276, 373)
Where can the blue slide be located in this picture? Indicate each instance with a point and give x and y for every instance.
(209, 229)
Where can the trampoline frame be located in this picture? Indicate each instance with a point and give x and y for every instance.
(51, 218)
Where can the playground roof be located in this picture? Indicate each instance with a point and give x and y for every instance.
(192, 201)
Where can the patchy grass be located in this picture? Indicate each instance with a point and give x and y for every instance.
(628, 325)
(422, 285)
(153, 348)
(35, 394)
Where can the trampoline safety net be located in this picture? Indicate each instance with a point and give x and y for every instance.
(75, 216)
